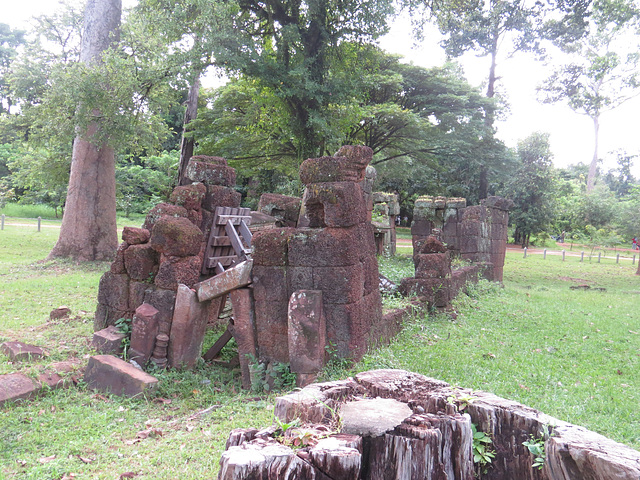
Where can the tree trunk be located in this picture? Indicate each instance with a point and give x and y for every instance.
(483, 181)
(187, 144)
(89, 221)
(593, 167)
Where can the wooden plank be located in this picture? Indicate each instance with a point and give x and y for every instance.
(238, 247)
(237, 277)
(235, 219)
(224, 261)
(243, 229)
(217, 347)
(221, 242)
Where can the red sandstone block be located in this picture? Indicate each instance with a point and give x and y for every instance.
(21, 352)
(235, 277)
(371, 274)
(109, 374)
(161, 210)
(286, 209)
(271, 330)
(432, 265)
(189, 196)
(475, 213)
(16, 386)
(307, 331)
(359, 156)
(435, 290)
(270, 283)
(144, 328)
(108, 340)
(141, 262)
(164, 301)
(329, 169)
(187, 329)
(473, 229)
(117, 266)
(209, 159)
(300, 278)
(337, 204)
(210, 174)
(176, 270)
(137, 292)
(105, 316)
(220, 196)
(176, 237)
(244, 330)
(312, 247)
(135, 236)
(195, 217)
(113, 291)
(340, 284)
(270, 247)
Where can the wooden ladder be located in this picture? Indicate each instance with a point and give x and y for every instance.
(229, 241)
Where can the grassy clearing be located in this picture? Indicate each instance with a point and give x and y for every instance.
(570, 353)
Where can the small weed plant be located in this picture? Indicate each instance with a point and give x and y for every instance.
(483, 451)
(536, 447)
(124, 326)
(265, 378)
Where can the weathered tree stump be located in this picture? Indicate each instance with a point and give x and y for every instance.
(397, 425)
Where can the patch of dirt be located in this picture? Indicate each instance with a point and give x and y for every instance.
(571, 279)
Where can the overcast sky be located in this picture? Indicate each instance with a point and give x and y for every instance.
(571, 133)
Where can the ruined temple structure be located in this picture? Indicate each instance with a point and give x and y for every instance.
(444, 228)
(156, 266)
(394, 424)
(386, 207)
(317, 286)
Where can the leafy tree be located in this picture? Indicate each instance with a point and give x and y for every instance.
(602, 72)
(621, 180)
(10, 40)
(532, 188)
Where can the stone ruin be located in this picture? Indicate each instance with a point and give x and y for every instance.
(386, 208)
(443, 228)
(393, 424)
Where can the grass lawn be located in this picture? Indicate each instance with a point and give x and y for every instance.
(571, 353)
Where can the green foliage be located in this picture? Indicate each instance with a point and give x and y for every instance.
(532, 188)
(536, 447)
(275, 376)
(124, 326)
(483, 451)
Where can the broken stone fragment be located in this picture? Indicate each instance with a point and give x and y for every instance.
(135, 236)
(60, 312)
(110, 374)
(108, 340)
(18, 351)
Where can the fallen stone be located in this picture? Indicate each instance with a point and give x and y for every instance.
(18, 351)
(373, 417)
(135, 236)
(109, 374)
(16, 386)
(60, 312)
(108, 340)
(221, 284)
(187, 329)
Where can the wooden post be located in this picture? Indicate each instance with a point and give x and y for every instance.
(618, 258)
(633, 262)
(599, 253)
(582, 256)
(525, 252)
(544, 254)
(563, 253)
(2, 228)
(39, 222)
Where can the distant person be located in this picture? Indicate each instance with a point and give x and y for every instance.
(634, 243)
(561, 238)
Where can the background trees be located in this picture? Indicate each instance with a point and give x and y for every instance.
(601, 71)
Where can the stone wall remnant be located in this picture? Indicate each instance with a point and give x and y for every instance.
(164, 257)
(386, 208)
(334, 254)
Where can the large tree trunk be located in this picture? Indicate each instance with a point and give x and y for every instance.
(89, 222)
(187, 144)
(593, 167)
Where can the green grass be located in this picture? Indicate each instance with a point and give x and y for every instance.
(573, 354)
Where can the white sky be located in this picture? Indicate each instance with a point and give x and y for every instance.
(571, 133)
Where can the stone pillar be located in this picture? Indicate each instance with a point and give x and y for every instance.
(307, 335)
